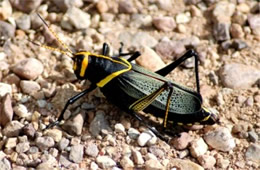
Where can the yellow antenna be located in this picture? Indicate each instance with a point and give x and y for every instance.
(58, 39)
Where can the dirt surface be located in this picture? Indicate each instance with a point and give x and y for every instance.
(36, 82)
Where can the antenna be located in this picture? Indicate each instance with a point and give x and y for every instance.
(58, 39)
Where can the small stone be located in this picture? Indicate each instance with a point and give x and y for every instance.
(126, 7)
(184, 164)
(36, 22)
(23, 22)
(144, 138)
(149, 59)
(64, 160)
(126, 163)
(238, 76)
(239, 18)
(239, 128)
(239, 44)
(254, 23)
(165, 24)
(5, 164)
(74, 125)
(56, 134)
(236, 31)
(207, 161)
(220, 139)
(102, 6)
(253, 136)
(6, 30)
(65, 5)
(75, 17)
(105, 162)
(6, 110)
(29, 130)
(76, 153)
(170, 49)
(93, 166)
(138, 159)
(223, 9)
(6, 10)
(243, 7)
(44, 142)
(241, 99)
(133, 133)
(26, 6)
(195, 12)
(12, 79)
(181, 142)
(11, 143)
(119, 128)
(221, 31)
(165, 4)
(5, 89)
(223, 163)
(141, 20)
(156, 151)
(252, 153)
(153, 165)
(183, 18)
(13, 129)
(22, 147)
(198, 147)
(29, 87)
(64, 143)
(99, 123)
(92, 150)
(21, 111)
(250, 101)
(41, 103)
(29, 68)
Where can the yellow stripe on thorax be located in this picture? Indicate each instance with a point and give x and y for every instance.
(107, 79)
(84, 66)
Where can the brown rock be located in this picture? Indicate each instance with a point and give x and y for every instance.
(165, 24)
(6, 112)
(182, 142)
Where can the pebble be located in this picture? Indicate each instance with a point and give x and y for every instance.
(207, 161)
(133, 133)
(56, 134)
(11, 143)
(156, 151)
(119, 128)
(21, 111)
(138, 39)
(223, 163)
(74, 125)
(6, 30)
(29, 68)
(184, 164)
(6, 110)
(5, 164)
(126, 7)
(65, 5)
(76, 153)
(239, 44)
(127, 163)
(165, 4)
(223, 9)
(75, 18)
(141, 20)
(99, 123)
(12, 79)
(249, 101)
(22, 147)
(27, 6)
(153, 164)
(105, 162)
(198, 147)
(252, 153)
(44, 142)
(165, 24)
(13, 129)
(220, 139)
(239, 18)
(149, 59)
(143, 138)
(102, 6)
(254, 23)
(64, 160)
(92, 150)
(29, 130)
(170, 49)
(221, 31)
(236, 31)
(23, 22)
(5, 89)
(6, 10)
(183, 18)
(253, 136)
(29, 87)
(238, 76)
(137, 156)
(64, 143)
(181, 142)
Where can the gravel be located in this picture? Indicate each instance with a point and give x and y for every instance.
(36, 84)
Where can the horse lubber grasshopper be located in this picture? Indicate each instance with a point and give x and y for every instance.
(133, 88)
